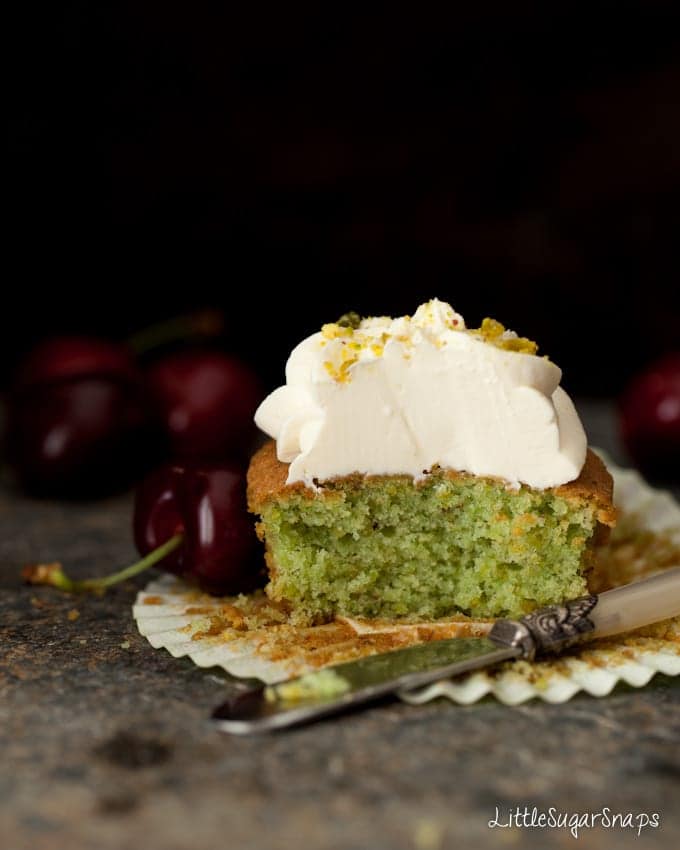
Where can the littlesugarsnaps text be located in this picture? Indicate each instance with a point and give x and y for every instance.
(531, 817)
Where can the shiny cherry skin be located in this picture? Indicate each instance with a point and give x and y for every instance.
(77, 419)
(650, 418)
(206, 401)
(207, 504)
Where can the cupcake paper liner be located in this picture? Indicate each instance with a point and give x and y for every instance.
(250, 636)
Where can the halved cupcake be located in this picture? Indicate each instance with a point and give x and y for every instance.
(422, 469)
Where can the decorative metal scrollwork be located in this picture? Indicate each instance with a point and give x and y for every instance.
(547, 630)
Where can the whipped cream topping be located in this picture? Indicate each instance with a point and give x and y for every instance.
(399, 396)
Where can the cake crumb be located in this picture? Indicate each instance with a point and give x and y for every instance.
(73, 614)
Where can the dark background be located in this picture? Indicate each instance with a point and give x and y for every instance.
(290, 163)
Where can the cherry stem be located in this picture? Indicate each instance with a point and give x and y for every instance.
(53, 574)
(203, 323)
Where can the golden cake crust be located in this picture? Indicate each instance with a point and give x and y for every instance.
(267, 481)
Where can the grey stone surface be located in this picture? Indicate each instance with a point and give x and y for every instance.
(106, 743)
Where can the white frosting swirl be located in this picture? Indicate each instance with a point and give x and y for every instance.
(398, 396)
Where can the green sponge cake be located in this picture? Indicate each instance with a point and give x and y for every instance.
(386, 547)
(421, 469)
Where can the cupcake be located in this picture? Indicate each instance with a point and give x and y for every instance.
(420, 469)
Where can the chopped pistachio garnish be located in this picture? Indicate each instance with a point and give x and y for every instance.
(352, 338)
(349, 320)
(495, 333)
(333, 331)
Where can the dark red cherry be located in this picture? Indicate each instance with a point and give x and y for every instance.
(206, 401)
(207, 505)
(77, 419)
(650, 418)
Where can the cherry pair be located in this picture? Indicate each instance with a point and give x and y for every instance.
(85, 419)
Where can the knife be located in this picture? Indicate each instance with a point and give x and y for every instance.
(550, 630)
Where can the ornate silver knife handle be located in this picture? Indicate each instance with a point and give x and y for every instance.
(558, 627)
(547, 630)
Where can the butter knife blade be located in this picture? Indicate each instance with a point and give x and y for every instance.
(339, 688)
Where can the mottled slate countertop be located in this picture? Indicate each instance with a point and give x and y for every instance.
(105, 743)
